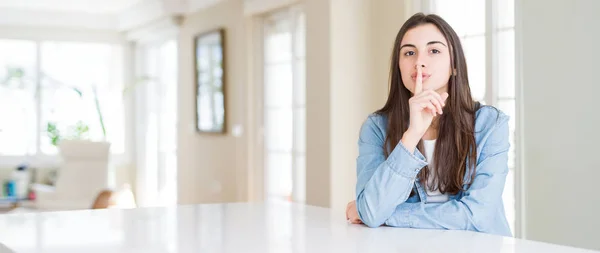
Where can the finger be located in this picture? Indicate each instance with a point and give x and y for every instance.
(425, 103)
(435, 95)
(439, 98)
(436, 102)
(419, 81)
(430, 108)
(426, 107)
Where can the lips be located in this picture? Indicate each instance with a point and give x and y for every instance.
(425, 76)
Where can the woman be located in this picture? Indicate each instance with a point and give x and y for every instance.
(431, 157)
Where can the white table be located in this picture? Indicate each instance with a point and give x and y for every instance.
(240, 227)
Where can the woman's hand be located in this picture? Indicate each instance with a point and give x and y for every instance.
(424, 106)
(352, 213)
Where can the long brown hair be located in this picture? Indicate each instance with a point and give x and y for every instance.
(455, 147)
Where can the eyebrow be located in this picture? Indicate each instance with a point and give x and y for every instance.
(428, 43)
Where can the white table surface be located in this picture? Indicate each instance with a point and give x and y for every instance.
(239, 227)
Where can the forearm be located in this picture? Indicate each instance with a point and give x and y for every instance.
(381, 189)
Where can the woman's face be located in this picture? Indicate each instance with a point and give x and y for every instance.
(426, 46)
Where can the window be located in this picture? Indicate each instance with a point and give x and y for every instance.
(285, 105)
(92, 69)
(62, 83)
(469, 24)
(487, 32)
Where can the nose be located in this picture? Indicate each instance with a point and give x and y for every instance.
(420, 64)
(420, 61)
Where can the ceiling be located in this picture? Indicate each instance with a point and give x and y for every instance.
(87, 6)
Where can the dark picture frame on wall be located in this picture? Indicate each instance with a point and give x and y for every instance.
(209, 79)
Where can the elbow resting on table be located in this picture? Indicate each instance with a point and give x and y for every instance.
(368, 215)
(373, 224)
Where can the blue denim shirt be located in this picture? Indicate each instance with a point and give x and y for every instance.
(384, 185)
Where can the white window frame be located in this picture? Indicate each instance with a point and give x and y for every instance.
(492, 94)
(258, 176)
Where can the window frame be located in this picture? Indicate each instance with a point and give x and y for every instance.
(259, 190)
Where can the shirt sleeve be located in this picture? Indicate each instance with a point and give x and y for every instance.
(383, 183)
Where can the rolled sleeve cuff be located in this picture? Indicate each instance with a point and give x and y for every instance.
(405, 163)
(404, 216)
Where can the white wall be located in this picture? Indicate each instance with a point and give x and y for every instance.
(57, 19)
(318, 90)
(61, 34)
(560, 87)
(212, 168)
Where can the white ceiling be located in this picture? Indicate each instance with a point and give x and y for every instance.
(112, 15)
(88, 6)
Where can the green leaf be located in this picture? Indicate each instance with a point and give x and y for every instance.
(53, 133)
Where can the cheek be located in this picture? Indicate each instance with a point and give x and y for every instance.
(442, 65)
(439, 81)
(405, 72)
(442, 75)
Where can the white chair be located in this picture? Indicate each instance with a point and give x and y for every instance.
(83, 174)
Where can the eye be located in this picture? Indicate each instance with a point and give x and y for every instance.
(409, 53)
(435, 51)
